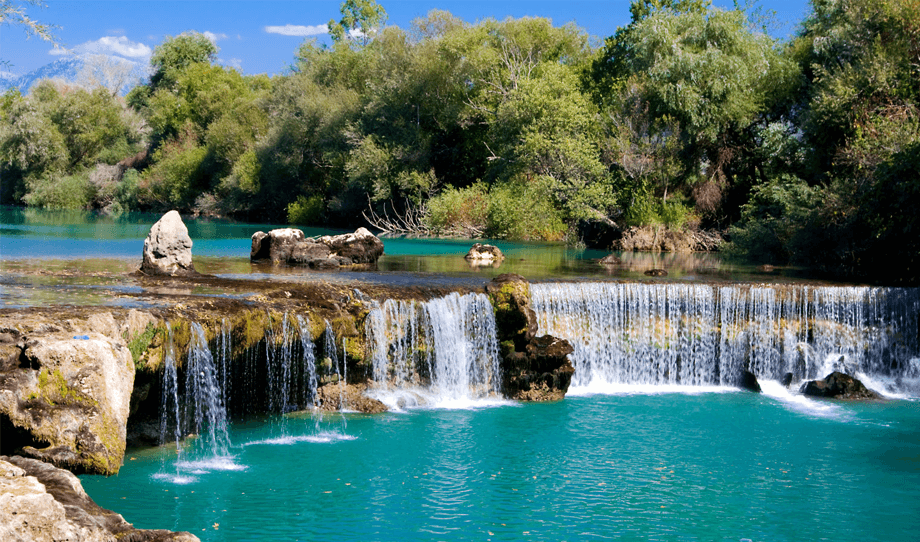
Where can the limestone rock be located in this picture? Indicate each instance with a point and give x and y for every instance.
(65, 399)
(40, 503)
(334, 396)
(838, 385)
(359, 247)
(289, 246)
(484, 254)
(533, 368)
(515, 320)
(168, 248)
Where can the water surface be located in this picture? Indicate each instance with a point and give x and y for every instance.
(704, 465)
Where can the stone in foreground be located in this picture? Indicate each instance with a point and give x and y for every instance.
(168, 248)
(40, 503)
(65, 399)
(838, 385)
(288, 246)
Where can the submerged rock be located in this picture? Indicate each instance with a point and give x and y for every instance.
(168, 248)
(481, 254)
(65, 399)
(289, 246)
(39, 502)
(610, 259)
(533, 368)
(838, 385)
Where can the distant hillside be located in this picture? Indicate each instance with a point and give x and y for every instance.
(88, 70)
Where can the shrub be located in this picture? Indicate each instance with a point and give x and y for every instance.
(305, 210)
(53, 190)
(524, 210)
(461, 212)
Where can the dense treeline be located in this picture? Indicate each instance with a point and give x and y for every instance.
(803, 151)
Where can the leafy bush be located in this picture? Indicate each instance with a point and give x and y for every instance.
(54, 190)
(524, 210)
(305, 210)
(461, 212)
(774, 222)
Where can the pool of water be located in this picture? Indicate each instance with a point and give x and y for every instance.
(638, 465)
(43, 252)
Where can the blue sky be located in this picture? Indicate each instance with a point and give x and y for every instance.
(261, 36)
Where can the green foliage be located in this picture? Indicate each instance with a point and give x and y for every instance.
(514, 210)
(177, 53)
(177, 176)
(459, 212)
(306, 211)
(360, 19)
(774, 222)
(524, 210)
(59, 191)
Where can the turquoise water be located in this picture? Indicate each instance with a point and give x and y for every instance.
(660, 466)
(84, 242)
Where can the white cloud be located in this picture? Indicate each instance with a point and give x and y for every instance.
(214, 37)
(298, 30)
(108, 45)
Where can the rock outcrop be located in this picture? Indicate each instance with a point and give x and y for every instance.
(334, 397)
(65, 399)
(481, 254)
(838, 385)
(40, 503)
(289, 246)
(533, 368)
(168, 248)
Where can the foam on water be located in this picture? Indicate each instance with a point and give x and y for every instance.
(287, 440)
(408, 398)
(177, 479)
(802, 404)
(202, 466)
(609, 388)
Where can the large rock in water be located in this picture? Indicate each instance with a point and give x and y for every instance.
(65, 399)
(484, 254)
(41, 503)
(533, 368)
(289, 246)
(838, 385)
(168, 248)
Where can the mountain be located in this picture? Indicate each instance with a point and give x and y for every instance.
(88, 70)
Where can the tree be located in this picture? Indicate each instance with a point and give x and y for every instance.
(14, 13)
(360, 20)
(177, 53)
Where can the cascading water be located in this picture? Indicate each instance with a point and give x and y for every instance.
(310, 383)
(199, 408)
(169, 395)
(443, 351)
(706, 335)
(203, 399)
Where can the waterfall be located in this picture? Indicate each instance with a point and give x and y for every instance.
(169, 394)
(203, 399)
(706, 335)
(443, 351)
(310, 383)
